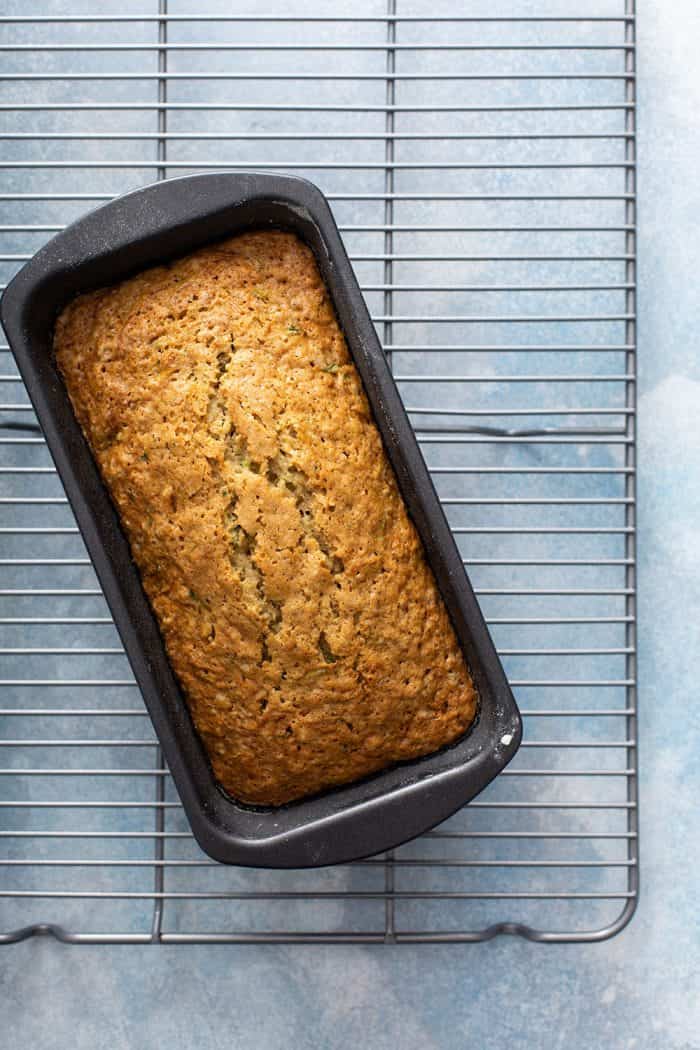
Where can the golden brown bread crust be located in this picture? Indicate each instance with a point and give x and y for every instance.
(297, 608)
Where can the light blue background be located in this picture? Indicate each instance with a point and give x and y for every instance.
(640, 990)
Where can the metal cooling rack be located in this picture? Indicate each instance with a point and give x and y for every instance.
(482, 169)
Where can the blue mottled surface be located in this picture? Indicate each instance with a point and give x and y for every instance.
(639, 991)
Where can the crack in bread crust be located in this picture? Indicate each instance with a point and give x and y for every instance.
(291, 589)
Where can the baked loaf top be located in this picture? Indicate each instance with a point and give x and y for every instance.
(292, 592)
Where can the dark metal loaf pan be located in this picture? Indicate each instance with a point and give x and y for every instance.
(151, 226)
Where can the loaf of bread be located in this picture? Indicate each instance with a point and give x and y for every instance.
(233, 433)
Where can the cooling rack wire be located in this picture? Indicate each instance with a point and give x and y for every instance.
(480, 161)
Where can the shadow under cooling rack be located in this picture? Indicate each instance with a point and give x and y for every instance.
(482, 170)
